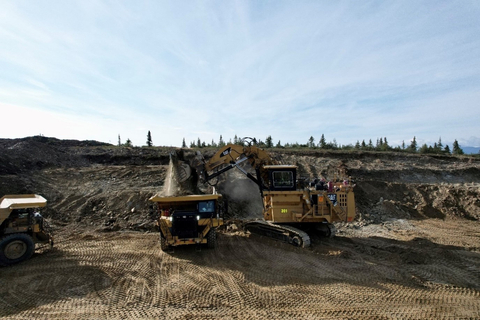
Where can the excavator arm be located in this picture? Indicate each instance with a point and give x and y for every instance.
(231, 156)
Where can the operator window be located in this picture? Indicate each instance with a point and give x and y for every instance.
(20, 213)
(206, 206)
(282, 179)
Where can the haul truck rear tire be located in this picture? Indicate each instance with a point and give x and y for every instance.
(212, 238)
(16, 248)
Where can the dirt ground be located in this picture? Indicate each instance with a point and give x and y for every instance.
(399, 269)
(413, 252)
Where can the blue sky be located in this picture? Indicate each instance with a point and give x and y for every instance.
(351, 70)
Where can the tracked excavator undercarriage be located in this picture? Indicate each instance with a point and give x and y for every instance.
(285, 233)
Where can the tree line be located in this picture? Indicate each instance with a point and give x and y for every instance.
(128, 143)
(381, 144)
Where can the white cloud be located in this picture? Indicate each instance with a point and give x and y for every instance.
(290, 70)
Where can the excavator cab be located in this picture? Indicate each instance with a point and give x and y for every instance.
(282, 177)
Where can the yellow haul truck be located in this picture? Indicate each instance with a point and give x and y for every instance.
(191, 219)
(21, 227)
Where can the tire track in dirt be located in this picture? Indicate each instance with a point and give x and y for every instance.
(126, 275)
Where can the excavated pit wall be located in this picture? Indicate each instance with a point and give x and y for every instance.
(108, 187)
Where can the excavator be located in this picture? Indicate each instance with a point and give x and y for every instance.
(289, 210)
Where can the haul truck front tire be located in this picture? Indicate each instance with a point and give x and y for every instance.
(163, 243)
(16, 248)
(212, 238)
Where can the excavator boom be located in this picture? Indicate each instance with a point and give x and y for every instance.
(231, 156)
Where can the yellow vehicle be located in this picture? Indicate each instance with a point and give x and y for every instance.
(288, 210)
(22, 227)
(191, 219)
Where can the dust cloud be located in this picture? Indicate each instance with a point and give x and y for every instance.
(243, 194)
(171, 186)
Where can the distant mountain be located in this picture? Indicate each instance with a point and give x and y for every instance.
(470, 150)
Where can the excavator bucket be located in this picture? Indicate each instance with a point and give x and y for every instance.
(182, 170)
(181, 178)
(198, 164)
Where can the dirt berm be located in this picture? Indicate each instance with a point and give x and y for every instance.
(412, 252)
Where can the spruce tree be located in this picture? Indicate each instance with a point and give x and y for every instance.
(322, 143)
(456, 148)
(385, 146)
(221, 143)
(184, 145)
(149, 139)
(423, 148)
(439, 144)
(268, 142)
(311, 142)
(413, 145)
(370, 145)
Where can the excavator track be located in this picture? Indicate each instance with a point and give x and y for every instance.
(283, 233)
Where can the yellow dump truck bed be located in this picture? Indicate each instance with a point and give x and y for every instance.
(22, 201)
(17, 201)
